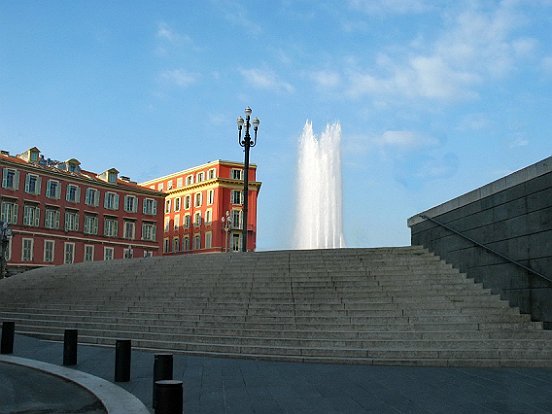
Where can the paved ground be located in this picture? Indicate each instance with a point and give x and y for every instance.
(216, 386)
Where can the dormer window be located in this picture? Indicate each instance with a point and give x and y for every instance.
(31, 155)
(109, 176)
(72, 165)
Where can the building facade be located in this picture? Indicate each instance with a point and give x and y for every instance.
(203, 208)
(60, 213)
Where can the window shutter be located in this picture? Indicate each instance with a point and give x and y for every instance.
(116, 202)
(27, 181)
(77, 196)
(16, 181)
(4, 178)
(58, 191)
(37, 217)
(154, 209)
(38, 185)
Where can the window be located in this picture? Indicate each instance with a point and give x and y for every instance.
(112, 177)
(176, 245)
(71, 220)
(111, 227)
(187, 202)
(187, 221)
(236, 197)
(73, 193)
(128, 253)
(177, 204)
(150, 206)
(197, 219)
(176, 222)
(210, 197)
(111, 201)
(32, 184)
(9, 212)
(197, 242)
(212, 174)
(208, 239)
(48, 251)
(109, 253)
(148, 231)
(27, 250)
(148, 253)
(166, 245)
(160, 187)
(186, 244)
(200, 177)
(69, 253)
(236, 174)
(10, 179)
(189, 180)
(53, 189)
(198, 199)
(51, 218)
(169, 185)
(88, 253)
(208, 216)
(167, 206)
(129, 230)
(179, 182)
(31, 215)
(131, 204)
(236, 219)
(167, 224)
(92, 197)
(90, 224)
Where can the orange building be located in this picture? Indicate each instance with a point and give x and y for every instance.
(204, 208)
(60, 213)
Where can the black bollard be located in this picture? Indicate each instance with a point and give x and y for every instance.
(169, 397)
(70, 347)
(122, 360)
(162, 370)
(8, 333)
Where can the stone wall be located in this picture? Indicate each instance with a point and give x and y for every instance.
(512, 216)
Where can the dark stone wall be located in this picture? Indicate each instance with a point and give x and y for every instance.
(516, 222)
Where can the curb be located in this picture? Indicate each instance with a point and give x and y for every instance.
(115, 399)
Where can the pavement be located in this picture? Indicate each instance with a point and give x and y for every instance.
(216, 386)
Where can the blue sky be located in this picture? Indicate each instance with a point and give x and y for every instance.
(435, 98)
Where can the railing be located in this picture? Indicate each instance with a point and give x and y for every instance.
(502, 256)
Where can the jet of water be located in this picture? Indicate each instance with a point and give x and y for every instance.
(318, 221)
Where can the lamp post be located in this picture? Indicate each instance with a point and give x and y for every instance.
(5, 233)
(227, 223)
(246, 142)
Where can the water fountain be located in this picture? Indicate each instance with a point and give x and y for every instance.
(318, 220)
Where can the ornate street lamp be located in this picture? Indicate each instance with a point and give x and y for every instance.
(226, 223)
(5, 234)
(246, 142)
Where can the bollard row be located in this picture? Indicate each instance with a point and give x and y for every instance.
(167, 396)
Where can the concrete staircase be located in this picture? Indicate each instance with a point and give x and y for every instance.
(367, 306)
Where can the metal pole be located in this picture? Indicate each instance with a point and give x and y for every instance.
(246, 185)
(169, 397)
(70, 340)
(122, 360)
(8, 333)
(162, 370)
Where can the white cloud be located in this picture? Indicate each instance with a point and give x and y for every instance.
(406, 140)
(475, 45)
(266, 79)
(178, 77)
(326, 78)
(547, 64)
(389, 6)
(519, 142)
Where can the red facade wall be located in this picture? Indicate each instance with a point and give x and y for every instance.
(222, 183)
(83, 180)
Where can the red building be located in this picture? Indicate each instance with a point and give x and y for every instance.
(60, 213)
(204, 208)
